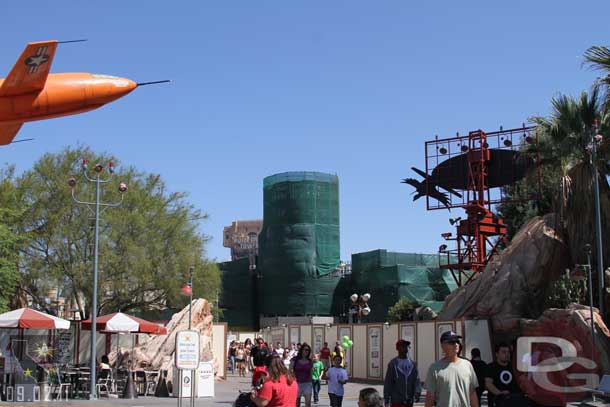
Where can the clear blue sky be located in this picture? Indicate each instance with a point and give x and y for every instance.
(346, 87)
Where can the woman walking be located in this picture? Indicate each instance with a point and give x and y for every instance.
(301, 366)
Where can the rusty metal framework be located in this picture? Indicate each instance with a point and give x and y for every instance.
(474, 170)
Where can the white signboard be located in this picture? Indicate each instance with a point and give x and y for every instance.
(205, 380)
(374, 343)
(187, 350)
(318, 338)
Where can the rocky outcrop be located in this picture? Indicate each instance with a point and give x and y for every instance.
(573, 325)
(157, 352)
(513, 283)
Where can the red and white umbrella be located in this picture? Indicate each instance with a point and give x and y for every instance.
(27, 318)
(119, 322)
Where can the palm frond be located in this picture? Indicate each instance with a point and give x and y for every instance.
(598, 57)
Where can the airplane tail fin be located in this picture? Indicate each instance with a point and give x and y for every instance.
(8, 131)
(30, 72)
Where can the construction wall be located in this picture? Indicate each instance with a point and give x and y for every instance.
(374, 344)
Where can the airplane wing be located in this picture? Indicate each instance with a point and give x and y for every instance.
(8, 131)
(29, 74)
(426, 176)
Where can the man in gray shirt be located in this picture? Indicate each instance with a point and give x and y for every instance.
(451, 382)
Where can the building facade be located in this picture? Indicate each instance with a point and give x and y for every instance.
(242, 238)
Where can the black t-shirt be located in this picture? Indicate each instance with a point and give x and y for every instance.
(480, 368)
(259, 355)
(503, 378)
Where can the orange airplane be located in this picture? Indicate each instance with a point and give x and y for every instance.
(30, 92)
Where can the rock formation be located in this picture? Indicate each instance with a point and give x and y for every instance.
(510, 292)
(574, 325)
(157, 352)
(513, 283)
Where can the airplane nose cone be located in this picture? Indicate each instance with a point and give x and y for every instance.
(106, 88)
(123, 86)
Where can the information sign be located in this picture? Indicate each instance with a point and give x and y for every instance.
(187, 350)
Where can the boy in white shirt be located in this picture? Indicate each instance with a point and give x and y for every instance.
(337, 377)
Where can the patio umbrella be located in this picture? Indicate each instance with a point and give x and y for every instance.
(118, 323)
(27, 318)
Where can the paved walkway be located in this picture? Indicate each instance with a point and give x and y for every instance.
(226, 393)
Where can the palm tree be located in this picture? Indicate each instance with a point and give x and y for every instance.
(598, 57)
(565, 140)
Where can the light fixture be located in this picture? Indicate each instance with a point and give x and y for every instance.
(455, 220)
(366, 310)
(366, 297)
(508, 143)
(443, 150)
(464, 148)
(354, 297)
(328, 325)
(284, 325)
(387, 324)
(446, 235)
(442, 248)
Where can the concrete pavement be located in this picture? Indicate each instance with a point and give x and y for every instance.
(226, 392)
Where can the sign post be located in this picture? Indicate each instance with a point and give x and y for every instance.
(187, 358)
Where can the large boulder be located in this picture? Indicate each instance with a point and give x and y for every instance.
(513, 283)
(574, 326)
(157, 352)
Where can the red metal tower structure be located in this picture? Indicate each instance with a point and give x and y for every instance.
(481, 165)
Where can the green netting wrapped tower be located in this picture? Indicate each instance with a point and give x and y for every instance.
(299, 243)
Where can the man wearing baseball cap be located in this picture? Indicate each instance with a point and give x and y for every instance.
(451, 382)
(401, 386)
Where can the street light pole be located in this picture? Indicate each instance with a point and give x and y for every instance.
(122, 188)
(598, 219)
(191, 295)
(588, 251)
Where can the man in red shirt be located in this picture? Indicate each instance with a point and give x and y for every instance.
(325, 356)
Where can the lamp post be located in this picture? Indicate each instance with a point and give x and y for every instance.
(97, 179)
(190, 296)
(578, 275)
(595, 140)
(359, 306)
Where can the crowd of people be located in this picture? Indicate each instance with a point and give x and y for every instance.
(286, 377)
(453, 380)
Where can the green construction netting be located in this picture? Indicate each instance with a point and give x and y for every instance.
(299, 243)
(238, 297)
(388, 276)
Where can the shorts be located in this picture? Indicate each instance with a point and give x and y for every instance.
(326, 363)
(305, 389)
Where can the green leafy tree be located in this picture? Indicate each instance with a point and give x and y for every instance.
(563, 292)
(11, 241)
(402, 311)
(146, 246)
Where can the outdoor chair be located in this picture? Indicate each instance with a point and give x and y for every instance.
(151, 383)
(105, 381)
(140, 381)
(59, 387)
